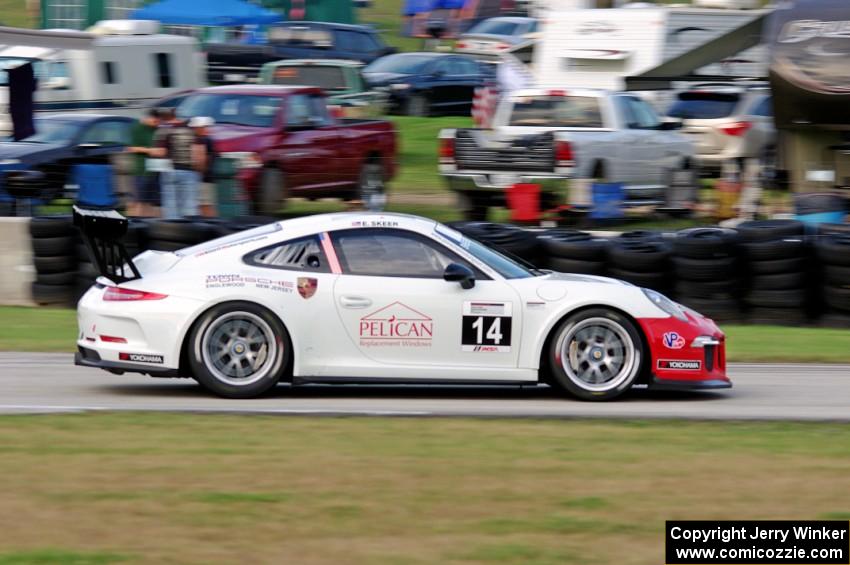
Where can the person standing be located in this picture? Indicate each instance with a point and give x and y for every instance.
(146, 182)
(181, 182)
(204, 160)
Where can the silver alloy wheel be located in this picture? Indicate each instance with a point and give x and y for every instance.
(372, 189)
(597, 354)
(239, 348)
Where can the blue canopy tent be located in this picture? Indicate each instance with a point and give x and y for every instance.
(209, 13)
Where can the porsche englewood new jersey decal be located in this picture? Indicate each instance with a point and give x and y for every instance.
(486, 327)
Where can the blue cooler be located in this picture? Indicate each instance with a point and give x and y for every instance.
(95, 182)
(607, 198)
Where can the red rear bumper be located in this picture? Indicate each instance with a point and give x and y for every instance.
(686, 355)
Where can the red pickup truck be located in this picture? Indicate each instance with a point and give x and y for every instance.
(291, 145)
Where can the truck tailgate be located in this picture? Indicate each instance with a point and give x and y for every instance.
(476, 150)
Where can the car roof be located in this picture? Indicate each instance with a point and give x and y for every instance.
(318, 62)
(364, 219)
(78, 117)
(260, 90)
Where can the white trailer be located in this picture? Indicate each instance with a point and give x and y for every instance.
(122, 68)
(598, 48)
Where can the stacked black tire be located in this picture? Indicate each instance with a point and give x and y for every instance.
(706, 272)
(833, 252)
(171, 235)
(571, 251)
(513, 240)
(54, 257)
(777, 263)
(641, 258)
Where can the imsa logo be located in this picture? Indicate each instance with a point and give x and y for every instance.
(679, 365)
(140, 358)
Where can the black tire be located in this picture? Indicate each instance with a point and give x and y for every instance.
(786, 248)
(767, 230)
(58, 264)
(786, 298)
(51, 226)
(836, 275)
(780, 281)
(705, 243)
(50, 294)
(272, 193)
(54, 279)
(575, 266)
(656, 281)
(837, 298)
(504, 237)
(720, 309)
(777, 266)
(834, 249)
(372, 191)
(88, 270)
(52, 246)
(202, 345)
(639, 236)
(776, 316)
(162, 245)
(418, 105)
(646, 256)
(571, 244)
(185, 231)
(704, 269)
(560, 362)
(712, 290)
(835, 320)
(473, 205)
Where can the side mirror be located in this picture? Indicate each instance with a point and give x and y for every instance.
(460, 274)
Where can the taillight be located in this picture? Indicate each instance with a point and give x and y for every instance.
(115, 293)
(736, 129)
(460, 45)
(564, 154)
(502, 46)
(112, 339)
(556, 93)
(447, 150)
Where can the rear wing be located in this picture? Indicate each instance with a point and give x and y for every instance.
(102, 231)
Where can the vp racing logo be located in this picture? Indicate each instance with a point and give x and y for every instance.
(396, 325)
(672, 340)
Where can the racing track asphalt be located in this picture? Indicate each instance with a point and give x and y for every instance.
(42, 382)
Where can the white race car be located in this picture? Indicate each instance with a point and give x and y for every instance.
(363, 297)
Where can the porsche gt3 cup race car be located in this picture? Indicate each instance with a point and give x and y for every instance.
(364, 297)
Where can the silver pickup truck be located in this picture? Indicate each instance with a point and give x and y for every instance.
(545, 136)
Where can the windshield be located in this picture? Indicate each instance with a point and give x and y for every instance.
(704, 105)
(328, 78)
(53, 131)
(556, 111)
(505, 266)
(496, 27)
(238, 109)
(403, 64)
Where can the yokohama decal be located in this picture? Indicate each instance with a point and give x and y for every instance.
(679, 365)
(140, 358)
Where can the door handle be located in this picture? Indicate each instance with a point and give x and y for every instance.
(355, 302)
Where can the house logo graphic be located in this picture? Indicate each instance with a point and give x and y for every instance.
(396, 325)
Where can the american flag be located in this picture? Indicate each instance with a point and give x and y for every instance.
(484, 102)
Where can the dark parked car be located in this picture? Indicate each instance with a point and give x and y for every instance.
(423, 84)
(64, 140)
(229, 63)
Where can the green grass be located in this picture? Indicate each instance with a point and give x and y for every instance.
(167, 488)
(55, 329)
(13, 13)
(418, 153)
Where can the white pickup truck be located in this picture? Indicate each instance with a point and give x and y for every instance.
(545, 136)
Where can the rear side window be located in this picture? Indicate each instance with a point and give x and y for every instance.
(764, 108)
(323, 76)
(704, 105)
(162, 63)
(303, 254)
(556, 111)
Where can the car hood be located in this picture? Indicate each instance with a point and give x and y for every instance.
(24, 151)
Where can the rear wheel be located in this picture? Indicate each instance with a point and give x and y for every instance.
(596, 354)
(473, 205)
(272, 193)
(239, 350)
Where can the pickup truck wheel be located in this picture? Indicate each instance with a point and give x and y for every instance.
(272, 193)
(373, 191)
(472, 205)
(418, 105)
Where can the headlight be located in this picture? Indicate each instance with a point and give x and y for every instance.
(400, 86)
(8, 162)
(665, 304)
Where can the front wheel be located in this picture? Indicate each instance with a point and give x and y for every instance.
(239, 350)
(596, 354)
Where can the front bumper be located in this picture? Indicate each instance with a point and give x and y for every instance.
(685, 355)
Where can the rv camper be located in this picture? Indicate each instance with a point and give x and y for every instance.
(121, 69)
(598, 48)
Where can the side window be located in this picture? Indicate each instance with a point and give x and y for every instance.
(370, 42)
(298, 110)
(764, 108)
(108, 73)
(443, 67)
(467, 67)
(354, 41)
(319, 111)
(625, 110)
(645, 116)
(303, 254)
(391, 253)
(106, 133)
(162, 64)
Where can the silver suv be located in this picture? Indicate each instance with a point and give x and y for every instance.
(725, 123)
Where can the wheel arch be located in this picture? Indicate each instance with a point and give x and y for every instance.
(183, 366)
(543, 361)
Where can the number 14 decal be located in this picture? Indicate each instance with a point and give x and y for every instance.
(486, 327)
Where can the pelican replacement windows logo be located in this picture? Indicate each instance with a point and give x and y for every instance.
(396, 325)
